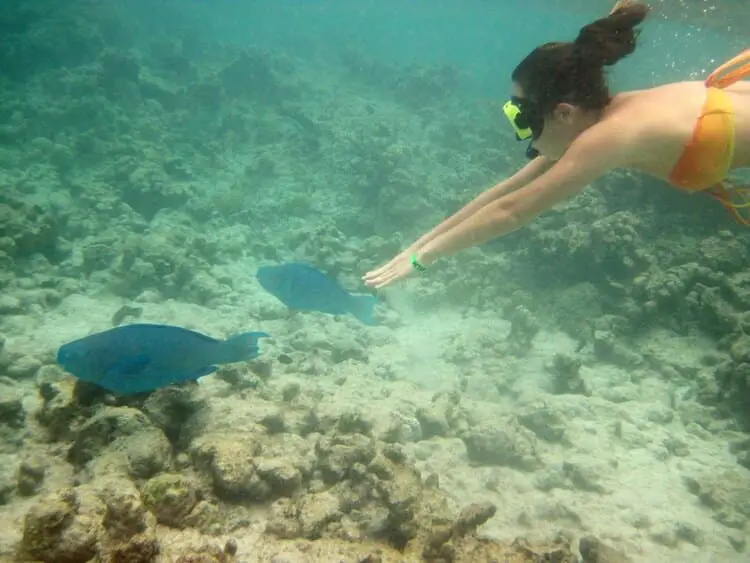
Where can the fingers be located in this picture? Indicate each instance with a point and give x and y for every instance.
(380, 280)
(387, 278)
(372, 277)
(375, 282)
(392, 277)
(382, 267)
(375, 273)
(380, 270)
(388, 273)
(379, 283)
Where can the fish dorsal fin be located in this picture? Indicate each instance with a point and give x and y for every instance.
(202, 336)
(153, 326)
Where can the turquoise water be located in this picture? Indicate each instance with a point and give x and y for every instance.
(584, 377)
(485, 38)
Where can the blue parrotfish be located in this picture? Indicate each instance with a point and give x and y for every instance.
(304, 288)
(137, 358)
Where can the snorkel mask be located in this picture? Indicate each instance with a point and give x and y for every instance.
(526, 122)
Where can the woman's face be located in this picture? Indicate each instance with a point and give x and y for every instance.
(560, 129)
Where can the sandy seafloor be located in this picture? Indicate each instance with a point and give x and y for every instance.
(620, 474)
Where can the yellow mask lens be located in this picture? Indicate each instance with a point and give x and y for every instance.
(512, 111)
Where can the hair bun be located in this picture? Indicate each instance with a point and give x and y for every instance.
(612, 38)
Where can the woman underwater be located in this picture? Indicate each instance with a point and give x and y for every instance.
(690, 134)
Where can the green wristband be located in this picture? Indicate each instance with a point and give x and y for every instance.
(416, 264)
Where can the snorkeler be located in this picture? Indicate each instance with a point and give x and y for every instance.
(691, 134)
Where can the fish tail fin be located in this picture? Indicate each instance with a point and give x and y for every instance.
(363, 307)
(241, 347)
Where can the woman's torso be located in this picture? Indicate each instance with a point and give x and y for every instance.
(662, 121)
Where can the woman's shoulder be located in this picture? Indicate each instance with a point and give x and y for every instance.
(654, 102)
(652, 125)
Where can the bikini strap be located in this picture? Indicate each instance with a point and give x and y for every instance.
(723, 194)
(734, 70)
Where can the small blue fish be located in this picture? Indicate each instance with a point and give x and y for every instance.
(303, 288)
(144, 357)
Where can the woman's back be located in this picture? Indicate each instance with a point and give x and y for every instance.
(663, 120)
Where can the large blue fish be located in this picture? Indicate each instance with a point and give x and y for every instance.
(303, 288)
(144, 357)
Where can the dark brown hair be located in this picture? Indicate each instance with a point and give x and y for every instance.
(573, 72)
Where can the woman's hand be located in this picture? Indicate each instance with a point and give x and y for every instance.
(397, 269)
